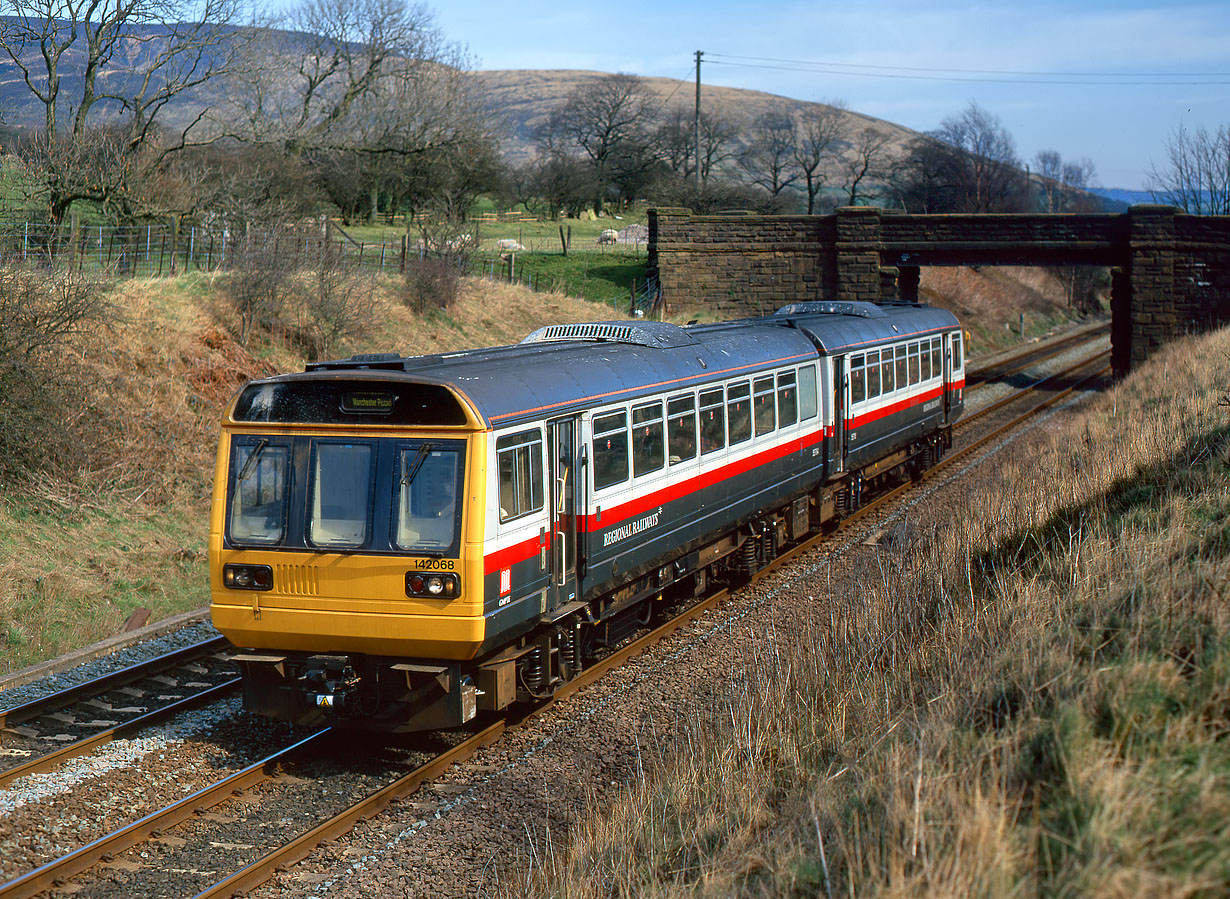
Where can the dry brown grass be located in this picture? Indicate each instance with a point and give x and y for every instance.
(1033, 697)
(990, 300)
(80, 550)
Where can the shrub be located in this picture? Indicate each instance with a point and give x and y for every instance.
(44, 314)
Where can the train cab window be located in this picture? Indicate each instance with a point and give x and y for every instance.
(258, 504)
(341, 483)
(610, 449)
(956, 352)
(519, 460)
(647, 439)
(712, 420)
(858, 380)
(873, 375)
(429, 482)
(681, 428)
(887, 381)
(809, 400)
(738, 412)
(902, 378)
(937, 366)
(914, 363)
(787, 399)
(924, 359)
(764, 415)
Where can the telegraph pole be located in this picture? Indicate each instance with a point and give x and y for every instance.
(696, 132)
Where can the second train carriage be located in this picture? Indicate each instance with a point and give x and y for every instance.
(399, 542)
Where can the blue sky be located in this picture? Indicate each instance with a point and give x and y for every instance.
(1106, 80)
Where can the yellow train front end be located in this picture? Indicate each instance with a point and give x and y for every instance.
(346, 549)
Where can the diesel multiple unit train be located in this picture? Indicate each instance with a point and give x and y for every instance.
(400, 542)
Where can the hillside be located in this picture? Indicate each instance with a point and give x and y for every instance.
(523, 99)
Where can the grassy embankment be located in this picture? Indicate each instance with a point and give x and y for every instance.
(604, 274)
(1031, 696)
(79, 553)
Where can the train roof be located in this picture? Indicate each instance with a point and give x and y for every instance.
(844, 327)
(562, 367)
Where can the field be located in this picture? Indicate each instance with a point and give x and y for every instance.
(1031, 697)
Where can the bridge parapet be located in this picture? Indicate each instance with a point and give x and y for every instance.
(1170, 271)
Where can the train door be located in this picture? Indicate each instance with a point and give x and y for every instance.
(947, 377)
(566, 499)
(837, 393)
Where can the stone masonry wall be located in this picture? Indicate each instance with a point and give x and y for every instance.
(1171, 270)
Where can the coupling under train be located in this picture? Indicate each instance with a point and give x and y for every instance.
(398, 543)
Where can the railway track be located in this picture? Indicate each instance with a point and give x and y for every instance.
(1016, 362)
(262, 777)
(44, 733)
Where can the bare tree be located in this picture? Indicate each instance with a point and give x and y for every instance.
(769, 160)
(610, 120)
(864, 166)
(360, 92)
(1196, 173)
(676, 141)
(1064, 183)
(66, 52)
(986, 168)
(817, 139)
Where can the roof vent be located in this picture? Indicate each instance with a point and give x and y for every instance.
(662, 335)
(833, 307)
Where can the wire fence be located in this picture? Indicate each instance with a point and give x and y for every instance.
(153, 251)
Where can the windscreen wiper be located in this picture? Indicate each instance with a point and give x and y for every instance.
(252, 459)
(408, 478)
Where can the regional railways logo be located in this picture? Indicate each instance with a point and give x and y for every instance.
(623, 532)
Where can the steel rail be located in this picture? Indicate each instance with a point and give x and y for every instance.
(966, 420)
(56, 873)
(977, 378)
(259, 871)
(82, 746)
(114, 680)
(263, 868)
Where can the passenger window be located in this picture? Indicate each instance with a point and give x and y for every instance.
(937, 365)
(341, 494)
(809, 401)
(924, 359)
(765, 414)
(519, 459)
(610, 449)
(647, 442)
(858, 385)
(902, 378)
(886, 371)
(738, 412)
(873, 375)
(712, 420)
(956, 352)
(913, 363)
(681, 428)
(787, 399)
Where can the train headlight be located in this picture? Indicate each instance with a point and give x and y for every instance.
(247, 577)
(433, 585)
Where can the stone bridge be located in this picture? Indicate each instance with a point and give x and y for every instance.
(1170, 271)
